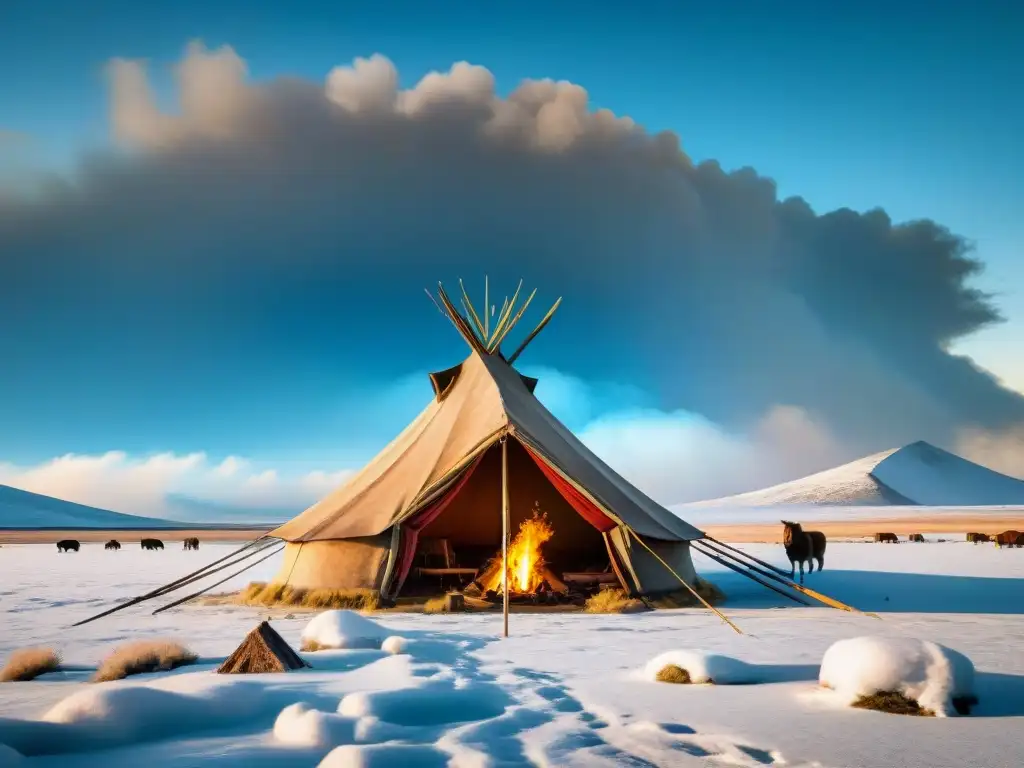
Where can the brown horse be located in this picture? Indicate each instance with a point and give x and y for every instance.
(192, 543)
(112, 544)
(887, 538)
(1007, 539)
(917, 537)
(978, 537)
(803, 547)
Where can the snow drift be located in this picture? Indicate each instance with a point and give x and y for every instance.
(105, 716)
(929, 673)
(298, 725)
(918, 474)
(703, 667)
(343, 629)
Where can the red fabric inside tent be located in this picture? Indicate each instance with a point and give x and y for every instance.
(583, 506)
(411, 528)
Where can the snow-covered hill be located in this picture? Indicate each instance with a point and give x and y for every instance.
(917, 474)
(22, 509)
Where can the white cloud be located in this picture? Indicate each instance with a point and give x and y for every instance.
(155, 485)
(1002, 450)
(678, 457)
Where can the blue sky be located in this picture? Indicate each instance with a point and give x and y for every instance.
(872, 105)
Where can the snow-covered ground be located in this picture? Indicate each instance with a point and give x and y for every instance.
(564, 689)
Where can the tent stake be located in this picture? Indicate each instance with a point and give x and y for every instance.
(213, 586)
(504, 530)
(682, 581)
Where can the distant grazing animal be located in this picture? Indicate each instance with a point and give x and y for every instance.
(803, 547)
(192, 543)
(1020, 540)
(887, 538)
(68, 545)
(916, 537)
(1007, 539)
(152, 544)
(978, 537)
(112, 544)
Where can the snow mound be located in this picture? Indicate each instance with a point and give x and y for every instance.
(343, 629)
(440, 651)
(113, 715)
(386, 756)
(396, 645)
(703, 667)
(929, 673)
(439, 703)
(299, 725)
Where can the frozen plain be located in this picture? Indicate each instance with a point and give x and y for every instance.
(564, 689)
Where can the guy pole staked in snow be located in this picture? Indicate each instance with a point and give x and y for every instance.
(710, 539)
(682, 581)
(740, 570)
(741, 566)
(273, 551)
(504, 530)
(202, 573)
(825, 599)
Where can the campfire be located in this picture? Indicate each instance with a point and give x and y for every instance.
(528, 574)
(525, 560)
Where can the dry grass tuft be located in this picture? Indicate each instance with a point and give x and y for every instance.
(311, 646)
(671, 673)
(28, 664)
(893, 702)
(268, 595)
(613, 601)
(142, 656)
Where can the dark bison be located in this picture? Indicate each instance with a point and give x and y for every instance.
(887, 538)
(1007, 539)
(152, 544)
(977, 538)
(112, 544)
(915, 537)
(68, 545)
(803, 547)
(192, 543)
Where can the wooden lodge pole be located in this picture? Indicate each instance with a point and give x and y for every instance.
(504, 530)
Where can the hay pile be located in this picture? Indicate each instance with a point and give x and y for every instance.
(893, 702)
(613, 601)
(262, 651)
(28, 664)
(671, 673)
(143, 656)
(700, 668)
(261, 594)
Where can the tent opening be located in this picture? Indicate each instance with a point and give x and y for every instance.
(556, 534)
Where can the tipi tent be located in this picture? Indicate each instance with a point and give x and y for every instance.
(442, 478)
(469, 470)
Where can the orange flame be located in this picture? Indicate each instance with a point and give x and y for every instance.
(525, 561)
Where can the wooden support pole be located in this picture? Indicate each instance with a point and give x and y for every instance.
(504, 530)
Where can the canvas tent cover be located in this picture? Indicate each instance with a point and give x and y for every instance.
(476, 403)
